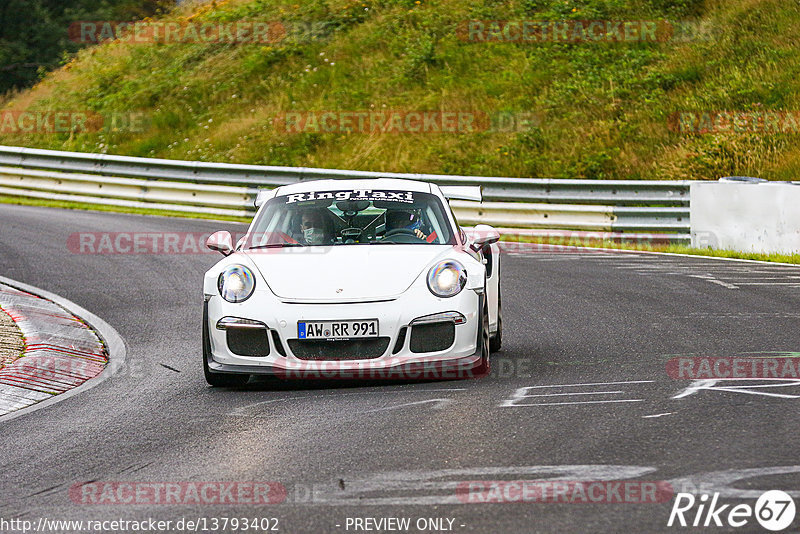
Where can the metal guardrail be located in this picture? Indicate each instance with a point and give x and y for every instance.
(230, 189)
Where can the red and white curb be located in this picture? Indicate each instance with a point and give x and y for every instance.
(66, 349)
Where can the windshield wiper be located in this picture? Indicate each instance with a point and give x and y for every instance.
(276, 245)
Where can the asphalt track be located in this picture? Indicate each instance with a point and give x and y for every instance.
(345, 450)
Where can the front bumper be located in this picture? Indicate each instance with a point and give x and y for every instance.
(394, 320)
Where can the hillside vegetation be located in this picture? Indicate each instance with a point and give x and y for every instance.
(594, 109)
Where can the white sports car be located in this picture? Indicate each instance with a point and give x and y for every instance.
(353, 279)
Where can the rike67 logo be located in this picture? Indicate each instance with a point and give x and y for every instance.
(774, 510)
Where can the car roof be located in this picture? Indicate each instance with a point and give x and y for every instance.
(390, 184)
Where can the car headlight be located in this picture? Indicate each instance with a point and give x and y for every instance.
(236, 283)
(447, 278)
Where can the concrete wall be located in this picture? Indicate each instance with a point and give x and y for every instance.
(748, 217)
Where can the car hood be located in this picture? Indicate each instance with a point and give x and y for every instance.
(344, 273)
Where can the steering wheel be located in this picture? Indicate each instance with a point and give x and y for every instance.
(403, 235)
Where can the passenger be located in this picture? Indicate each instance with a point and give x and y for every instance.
(316, 229)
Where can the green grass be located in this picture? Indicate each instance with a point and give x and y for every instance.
(602, 109)
(23, 201)
(650, 247)
(12, 342)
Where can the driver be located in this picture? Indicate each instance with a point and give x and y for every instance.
(405, 219)
(314, 228)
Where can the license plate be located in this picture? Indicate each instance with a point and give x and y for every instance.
(337, 329)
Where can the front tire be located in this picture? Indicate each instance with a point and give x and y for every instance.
(484, 367)
(217, 379)
(496, 341)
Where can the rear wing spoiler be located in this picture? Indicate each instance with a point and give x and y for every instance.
(462, 192)
(263, 195)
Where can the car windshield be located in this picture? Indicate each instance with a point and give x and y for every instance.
(351, 217)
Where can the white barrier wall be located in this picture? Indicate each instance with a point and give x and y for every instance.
(748, 217)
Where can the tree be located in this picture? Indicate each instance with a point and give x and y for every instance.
(34, 34)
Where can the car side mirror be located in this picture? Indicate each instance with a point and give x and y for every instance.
(221, 242)
(484, 235)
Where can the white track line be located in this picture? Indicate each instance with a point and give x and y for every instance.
(571, 394)
(656, 415)
(577, 402)
(593, 384)
(695, 257)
